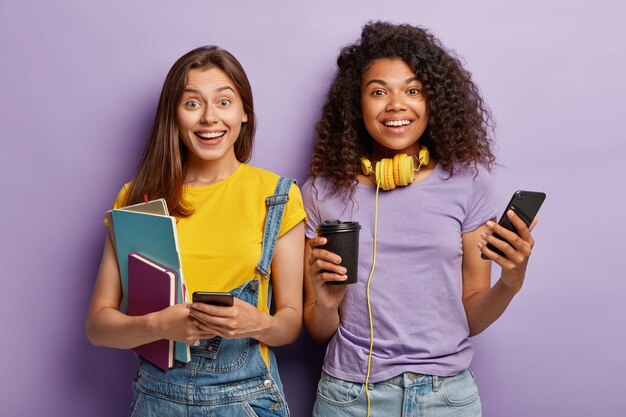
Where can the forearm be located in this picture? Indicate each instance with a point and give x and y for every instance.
(321, 324)
(105, 325)
(109, 327)
(483, 308)
(280, 329)
(285, 325)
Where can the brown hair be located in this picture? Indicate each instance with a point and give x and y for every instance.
(459, 126)
(161, 171)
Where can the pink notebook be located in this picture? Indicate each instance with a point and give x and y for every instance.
(151, 288)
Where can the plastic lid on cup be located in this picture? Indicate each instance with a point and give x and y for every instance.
(334, 226)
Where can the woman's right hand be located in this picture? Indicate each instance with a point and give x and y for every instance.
(105, 325)
(175, 323)
(325, 267)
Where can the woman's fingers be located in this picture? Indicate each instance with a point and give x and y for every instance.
(503, 261)
(316, 242)
(323, 271)
(511, 252)
(522, 240)
(178, 324)
(516, 247)
(238, 320)
(320, 265)
(324, 255)
(324, 265)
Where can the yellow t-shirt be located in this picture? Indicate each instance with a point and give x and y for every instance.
(220, 243)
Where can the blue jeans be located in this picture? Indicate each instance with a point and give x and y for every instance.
(225, 377)
(406, 395)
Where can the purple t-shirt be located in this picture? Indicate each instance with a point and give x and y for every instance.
(419, 320)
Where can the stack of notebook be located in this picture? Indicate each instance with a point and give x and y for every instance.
(148, 255)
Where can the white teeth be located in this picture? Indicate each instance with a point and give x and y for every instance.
(397, 123)
(211, 135)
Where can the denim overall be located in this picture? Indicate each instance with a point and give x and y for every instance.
(225, 377)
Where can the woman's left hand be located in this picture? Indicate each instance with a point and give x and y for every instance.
(516, 247)
(240, 320)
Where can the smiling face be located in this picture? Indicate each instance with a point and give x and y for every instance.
(393, 108)
(210, 114)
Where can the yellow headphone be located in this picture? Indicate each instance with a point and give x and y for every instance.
(397, 171)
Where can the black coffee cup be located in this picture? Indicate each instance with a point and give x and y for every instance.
(342, 239)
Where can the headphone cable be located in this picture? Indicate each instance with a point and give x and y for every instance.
(369, 306)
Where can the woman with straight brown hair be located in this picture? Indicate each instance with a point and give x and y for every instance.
(196, 158)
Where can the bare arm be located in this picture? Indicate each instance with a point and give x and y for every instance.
(107, 326)
(484, 303)
(321, 305)
(246, 320)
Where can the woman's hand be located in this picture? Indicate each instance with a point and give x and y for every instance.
(516, 247)
(322, 300)
(240, 320)
(175, 323)
(325, 267)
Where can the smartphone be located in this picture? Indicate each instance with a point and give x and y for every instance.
(224, 299)
(525, 204)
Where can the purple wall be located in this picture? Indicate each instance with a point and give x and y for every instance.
(78, 90)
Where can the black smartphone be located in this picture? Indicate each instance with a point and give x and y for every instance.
(525, 204)
(224, 299)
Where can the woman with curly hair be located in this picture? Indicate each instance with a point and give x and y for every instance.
(403, 114)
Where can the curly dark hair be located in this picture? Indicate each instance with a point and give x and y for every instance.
(460, 124)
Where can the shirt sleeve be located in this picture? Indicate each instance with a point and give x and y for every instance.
(481, 202)
(294, 210)
(118, 201)
(309, 196)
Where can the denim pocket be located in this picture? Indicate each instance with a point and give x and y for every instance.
(222, 355)
(148, 405)
(459, 390)
(267, 406)
(337, 391)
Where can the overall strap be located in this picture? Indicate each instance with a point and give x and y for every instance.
(274, 217)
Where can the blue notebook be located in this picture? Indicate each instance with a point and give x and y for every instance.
(153, 236)
(158, 206)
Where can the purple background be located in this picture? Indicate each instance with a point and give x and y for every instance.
(79, 87)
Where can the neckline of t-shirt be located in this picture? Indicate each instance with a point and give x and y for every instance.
(221, 183)
(435, 172)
